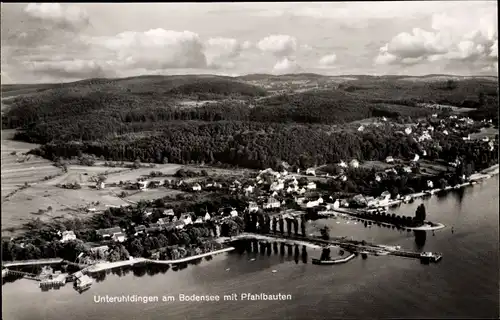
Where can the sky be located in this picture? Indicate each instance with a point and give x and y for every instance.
(52, 42)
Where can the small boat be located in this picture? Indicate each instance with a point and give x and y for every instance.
(228, 269)
(381, 253)
(274, 271)
(253, 259)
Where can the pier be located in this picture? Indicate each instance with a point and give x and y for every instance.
(21, 263)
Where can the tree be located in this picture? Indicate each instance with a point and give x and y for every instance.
(325, 233)
(420, 213)
(303, 227)
(136, 249)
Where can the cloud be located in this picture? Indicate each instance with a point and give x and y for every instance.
(328, 60)
(65, 16)
(286, 65)
(154, 49)
(279, 45)
(450, 39)
(72, 69)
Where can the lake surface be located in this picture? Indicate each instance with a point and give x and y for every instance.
(465, 284)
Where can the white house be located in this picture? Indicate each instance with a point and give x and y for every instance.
(311, 185)
(143, 185)
(311, 171)
(197, 187)
(354, 163)
(407, 169)
(336, 204)
(408, 130)
(486, 139)
(68, 236)
(233, 213)
(100, 185)
(277, 185)
(361, 128)
(430, 184)
(272, 203)
(389, 159)
(466, 138)
(119, 237)
(343, 178)
(424, 153)
(445, 132)
(385, 195)
(249, 189)
(384, 119)
(434, 115)
(198, 220)
(168, 212)
(291, 189)
(320, 200)
(301, 191)
(312, 204)
(207, 217)
(416, 158)
(147, 213)
(300, 200)
(253, 207)
(186, 219)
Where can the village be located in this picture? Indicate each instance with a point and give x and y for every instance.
(287, 194)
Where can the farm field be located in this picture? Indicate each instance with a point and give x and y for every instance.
(485, 132)
(17, 169)
(152, 194)
(82, 174)
(133, 175)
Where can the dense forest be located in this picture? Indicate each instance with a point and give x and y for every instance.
(241, 124)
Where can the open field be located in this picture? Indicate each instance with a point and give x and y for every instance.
(431, 168)
(18, 168)
(133, 175)
(82, 174)
(377, 165)
(152, 194)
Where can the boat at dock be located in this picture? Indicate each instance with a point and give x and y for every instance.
(381, 253)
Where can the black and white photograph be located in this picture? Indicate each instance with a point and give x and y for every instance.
(250, 160)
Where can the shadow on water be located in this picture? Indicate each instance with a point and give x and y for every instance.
(420, 238)
(281, 249)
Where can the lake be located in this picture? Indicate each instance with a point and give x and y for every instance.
(465, 284)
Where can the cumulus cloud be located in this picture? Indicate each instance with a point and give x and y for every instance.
(279, 45)
(328, 60)
(73, 69)
(66, 16)
(286, 65)
(450, 39)
(155, 49)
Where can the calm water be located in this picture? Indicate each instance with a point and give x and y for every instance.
(463, 285)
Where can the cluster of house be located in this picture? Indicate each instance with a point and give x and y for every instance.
(381, 201)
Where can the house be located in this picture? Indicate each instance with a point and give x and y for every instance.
(416, 158)
(486, 139)
(385, 195)
(169, 212)
(372, 202)
(109, 232)
(147, 213)
(320, 200)
(163, 221)
(68, 236)
(408, 130)
(196, 187)
(343, 178)
(354, 163)
(179, 225)
(311, 185)
(342, 164)
(91, 210)
(389, 159)
(198, 220)
(100, 185)
(301, 191)
(207, 217)
(278, 185)
(310, 171)
(291, 189)
(253, 207)
(272, 203)
(119, 237)
(139, 229)
(445, 132)
(407, 169)
(100, 250)
(300, 200)
(143, 185)
(361, 128)
(249, 189)
(424, 153)
(434, 115)
(466, 138)
(233, 213)
(312, 204)
(430, 128)
(336, 204)
(430, 184)
(186, 218)
(377, 178)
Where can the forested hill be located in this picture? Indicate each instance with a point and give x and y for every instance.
(249, 121)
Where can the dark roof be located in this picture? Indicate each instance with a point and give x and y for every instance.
(140, 228)
(107, 231)
(178, 223)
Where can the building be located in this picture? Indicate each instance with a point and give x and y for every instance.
(277, 185)
(312, 204)
(139, 229)
(196, 187)
(354, 163)
(253, 207)
(311, 185)
(408, 130)
(272, 203)
(389, 159)
(109, 232)
(407, 169)
(336, 204)
(249, 189)
(198, 220)
(343, 178)
(68, 236)
(342, 164)
(163, 221)
(186, 218)
(179, 225)
(207, 217)
(169, 212)
(430, 184)
(361, 128)
(310, 171)
(416, 158)
(100, 185)
(119, 237)
(143, 185)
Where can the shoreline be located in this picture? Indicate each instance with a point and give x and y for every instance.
(111, 265)
(264, 237)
